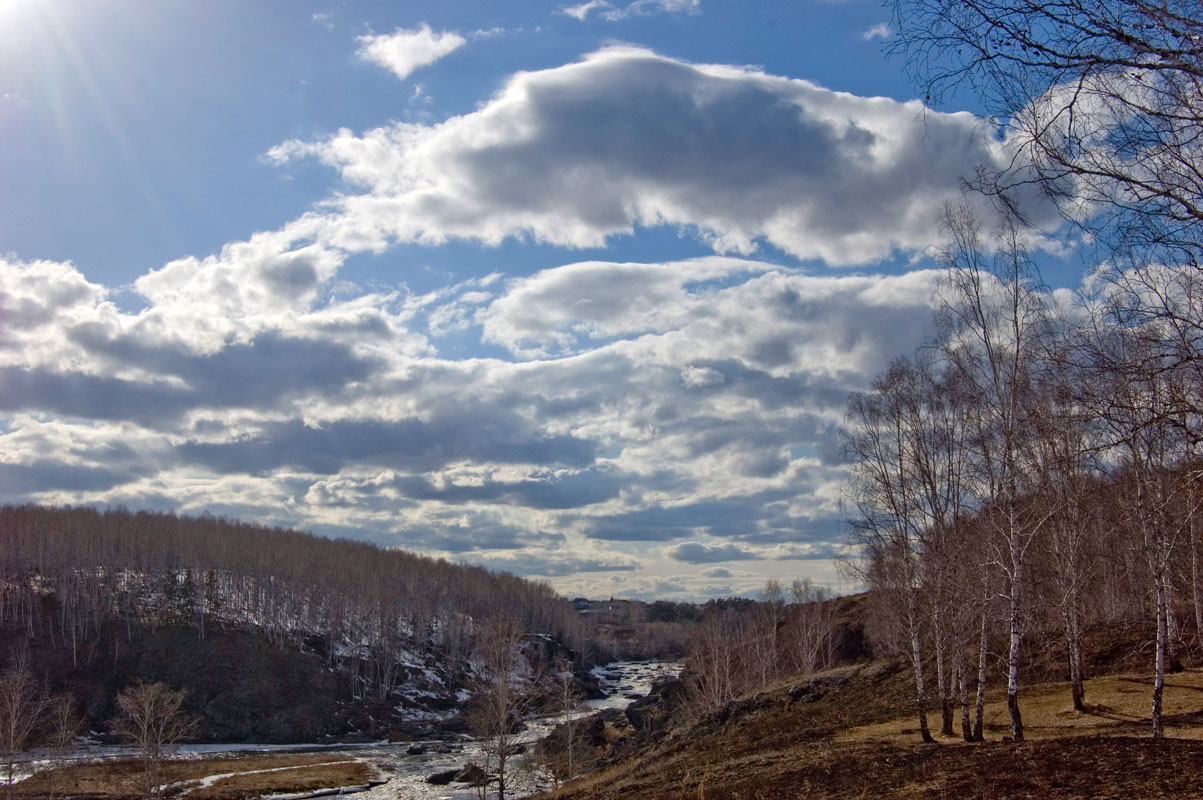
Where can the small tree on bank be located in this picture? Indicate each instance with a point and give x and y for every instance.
(22, 706)
(150, 716)
(63, 724)
(507, 692)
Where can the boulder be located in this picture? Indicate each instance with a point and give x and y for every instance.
(815, 689)
(472, 774)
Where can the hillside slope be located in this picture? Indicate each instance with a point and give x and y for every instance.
(275, 635)
(838, 735)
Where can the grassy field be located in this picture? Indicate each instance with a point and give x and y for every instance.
(851, 744)
(1116, 705)
(225, 778)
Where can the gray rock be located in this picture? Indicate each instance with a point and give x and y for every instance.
(442, 778)
(472, 774)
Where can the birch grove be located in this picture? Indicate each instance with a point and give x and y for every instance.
(1005, 481)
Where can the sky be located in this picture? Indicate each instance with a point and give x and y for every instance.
(576, 291)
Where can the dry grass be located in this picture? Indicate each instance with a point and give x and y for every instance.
(253, 775)
(290, 779)
(851, 745)
(1117, 705)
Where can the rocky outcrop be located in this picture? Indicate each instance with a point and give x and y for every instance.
(651, 715)
(813, 690)
(471, 774)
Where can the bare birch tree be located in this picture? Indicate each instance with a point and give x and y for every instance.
(714, 664)
(996, 322)
(22, 706)
(1065, 456)
(151, 717)
(766, 634)
(1135, 395)
(810, 626)
(889, 525)
(63, 725)
(507, 691)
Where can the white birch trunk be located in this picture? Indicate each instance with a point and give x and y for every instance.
(917, 661)
(1013, 653)
(1159, 675)
(982, 654)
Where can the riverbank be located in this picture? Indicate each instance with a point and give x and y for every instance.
(228, 777)
(375, 771)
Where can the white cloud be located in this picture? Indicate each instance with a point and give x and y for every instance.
(879, 31)
(639, 8)
(626, 139)
(766, 315)
(648, 7)
(583, 10)
(404, 51)
(488, 33)
(554, 309)
(708, 553)
(698, 377)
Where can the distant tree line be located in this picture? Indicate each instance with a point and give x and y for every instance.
(739, 645)
(669, 611)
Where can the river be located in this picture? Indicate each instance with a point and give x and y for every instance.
(623, 682)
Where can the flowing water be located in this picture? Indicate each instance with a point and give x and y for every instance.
(406, 773)
(623, 682)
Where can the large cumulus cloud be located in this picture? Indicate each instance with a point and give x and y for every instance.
(627, 138)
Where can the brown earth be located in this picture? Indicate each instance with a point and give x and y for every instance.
(244, 777)
(845, 741)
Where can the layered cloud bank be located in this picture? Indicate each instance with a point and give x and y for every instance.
(634, 421)
(685, 411)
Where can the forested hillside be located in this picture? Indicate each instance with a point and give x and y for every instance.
(336, 636)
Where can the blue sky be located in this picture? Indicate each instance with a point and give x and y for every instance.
(575, 290)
